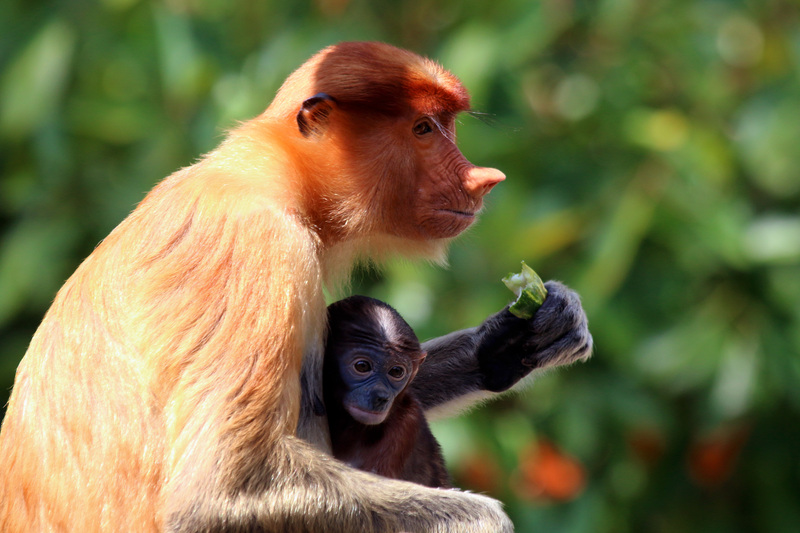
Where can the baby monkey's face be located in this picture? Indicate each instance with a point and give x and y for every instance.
(373, 379)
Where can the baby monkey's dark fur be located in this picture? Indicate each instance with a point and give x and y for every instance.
(376, 423)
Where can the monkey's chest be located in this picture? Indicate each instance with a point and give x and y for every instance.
(375, 449)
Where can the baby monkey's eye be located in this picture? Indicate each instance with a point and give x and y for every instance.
(397, 372)
(362, 366)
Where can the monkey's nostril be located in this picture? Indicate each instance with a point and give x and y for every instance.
(379, 402)
(489, 186)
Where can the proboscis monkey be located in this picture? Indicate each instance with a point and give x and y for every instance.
(376, 424)
(162, 391)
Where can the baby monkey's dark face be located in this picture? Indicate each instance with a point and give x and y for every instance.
(373, 376)
(371, 355)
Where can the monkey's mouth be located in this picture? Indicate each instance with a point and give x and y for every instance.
(461, 214)
(368, 418)
(450, 222)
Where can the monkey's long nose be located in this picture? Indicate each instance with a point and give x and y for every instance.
(480, 180)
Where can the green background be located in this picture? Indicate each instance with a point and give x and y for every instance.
(652, 150)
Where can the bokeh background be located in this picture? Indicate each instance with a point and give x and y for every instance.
(652, 150)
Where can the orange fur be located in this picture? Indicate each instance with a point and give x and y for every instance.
(165, 378)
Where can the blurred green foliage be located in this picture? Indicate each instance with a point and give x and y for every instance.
(652, 157)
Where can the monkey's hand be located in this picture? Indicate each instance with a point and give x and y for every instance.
(509, 348)
(468, 366)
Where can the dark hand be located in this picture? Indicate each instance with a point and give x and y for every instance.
(512, 347)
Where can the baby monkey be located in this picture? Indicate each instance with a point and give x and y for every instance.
(376, 424)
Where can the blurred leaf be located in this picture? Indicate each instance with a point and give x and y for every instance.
(774, 239)
(182, 65)
(117, 123)
(35, 81)
(472, 53)
(31, 264)
(767, 133)
(619, 240)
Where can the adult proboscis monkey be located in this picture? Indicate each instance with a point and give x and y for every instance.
(162, 391)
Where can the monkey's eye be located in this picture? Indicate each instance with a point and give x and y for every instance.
(362, 366)
(423, 127)
(397, 372)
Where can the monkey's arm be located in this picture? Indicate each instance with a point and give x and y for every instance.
(467, 366)
(300, 489)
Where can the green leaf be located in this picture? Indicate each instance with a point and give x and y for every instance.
(36, 80)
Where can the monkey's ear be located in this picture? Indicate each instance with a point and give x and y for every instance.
(313, 115)
(418, 360)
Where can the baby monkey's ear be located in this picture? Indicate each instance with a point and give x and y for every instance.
(417, 360)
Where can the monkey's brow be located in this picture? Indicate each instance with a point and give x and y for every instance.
(356, 339)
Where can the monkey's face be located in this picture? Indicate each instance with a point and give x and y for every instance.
(372, 380)
(450, 189)
(397, 173)
(438, 192)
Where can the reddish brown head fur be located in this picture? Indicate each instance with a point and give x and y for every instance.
(377, 77)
